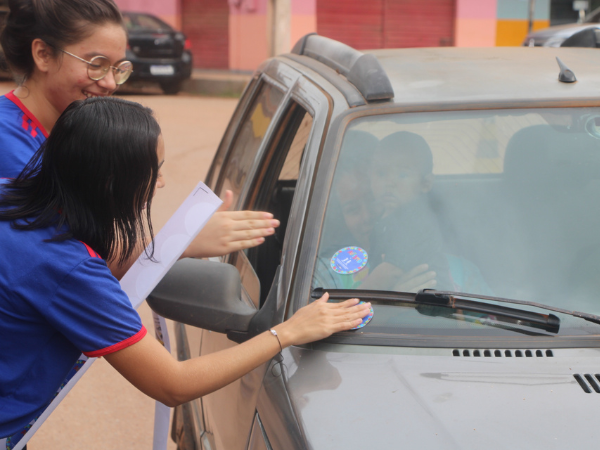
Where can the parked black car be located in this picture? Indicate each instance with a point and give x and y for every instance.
(158, 52)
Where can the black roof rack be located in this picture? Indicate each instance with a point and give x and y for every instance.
(362, 70)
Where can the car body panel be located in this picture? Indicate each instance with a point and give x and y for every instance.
(439, 401)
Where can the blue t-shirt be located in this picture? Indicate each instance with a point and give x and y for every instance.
(21, 135)
(57, 300)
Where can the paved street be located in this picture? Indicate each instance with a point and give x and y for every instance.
(103, 410)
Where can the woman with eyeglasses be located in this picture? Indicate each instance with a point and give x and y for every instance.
(66, 50)
(59, 220)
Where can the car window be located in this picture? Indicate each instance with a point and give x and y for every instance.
(501, 203)
(291, 166)
(252, 132)
(215, 169)
(274, 189)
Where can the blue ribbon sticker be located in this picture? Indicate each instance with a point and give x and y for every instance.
(349, 260)
(366, 319)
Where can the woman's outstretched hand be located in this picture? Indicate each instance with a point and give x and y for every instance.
(320, 319)
(230, 231)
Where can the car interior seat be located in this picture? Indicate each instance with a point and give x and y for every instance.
(548, 181)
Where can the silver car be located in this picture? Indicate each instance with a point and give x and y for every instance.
(457, 190)
(556, 35)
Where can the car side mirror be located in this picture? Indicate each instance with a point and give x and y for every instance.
(589, 38)
(203, 294)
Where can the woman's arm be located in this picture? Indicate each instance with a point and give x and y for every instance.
(149, 367)
(225, 232)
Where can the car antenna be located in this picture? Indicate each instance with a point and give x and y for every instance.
(566, 75)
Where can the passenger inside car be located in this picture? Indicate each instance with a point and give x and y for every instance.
(379, 203)
(408, 233)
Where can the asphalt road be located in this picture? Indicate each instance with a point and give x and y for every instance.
(103, 410)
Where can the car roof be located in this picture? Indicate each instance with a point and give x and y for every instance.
(469, 77)
(498, 74)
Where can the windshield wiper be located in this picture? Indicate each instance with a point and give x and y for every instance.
(436, 303)
(447, 297)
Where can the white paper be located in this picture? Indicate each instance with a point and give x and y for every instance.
(141, 279)
(170, 243)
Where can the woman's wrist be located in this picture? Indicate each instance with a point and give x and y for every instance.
(284, 334)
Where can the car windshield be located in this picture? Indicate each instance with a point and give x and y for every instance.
(140, 22)
(498, 203)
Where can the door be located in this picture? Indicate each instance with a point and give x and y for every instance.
(262, 167)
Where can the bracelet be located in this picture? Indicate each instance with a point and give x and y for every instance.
(274, 333)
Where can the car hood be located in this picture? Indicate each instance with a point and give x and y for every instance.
(426, 401)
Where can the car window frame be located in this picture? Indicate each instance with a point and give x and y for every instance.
(266, 142)
(270, 164)
(319, 105)
(283, 78)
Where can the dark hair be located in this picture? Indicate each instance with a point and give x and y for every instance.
(96, 173)
(405, 142)
(56, 22)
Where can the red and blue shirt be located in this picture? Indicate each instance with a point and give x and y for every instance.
(57, 300)
(21, 135)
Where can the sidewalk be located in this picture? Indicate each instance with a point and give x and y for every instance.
(219, 83)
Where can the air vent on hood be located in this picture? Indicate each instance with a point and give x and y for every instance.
(588, 382)
(503, 353)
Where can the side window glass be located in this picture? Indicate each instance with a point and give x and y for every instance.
(291, 166)
(274, 190)
(243, 105)
(252, 132)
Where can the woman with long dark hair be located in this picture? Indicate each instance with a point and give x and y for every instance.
(84, 198)
(66, 50)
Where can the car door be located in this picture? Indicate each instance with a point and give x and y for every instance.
(269, 149)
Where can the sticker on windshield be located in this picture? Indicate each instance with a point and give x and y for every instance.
(349, 260)
(366, 319)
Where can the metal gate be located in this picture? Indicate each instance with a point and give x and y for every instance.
(206, 25)
(387, 23)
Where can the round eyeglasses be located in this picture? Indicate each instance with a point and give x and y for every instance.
(99, 66)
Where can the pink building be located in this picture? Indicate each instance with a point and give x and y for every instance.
(236, 34)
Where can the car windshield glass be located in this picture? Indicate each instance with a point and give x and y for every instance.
(497, 203)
